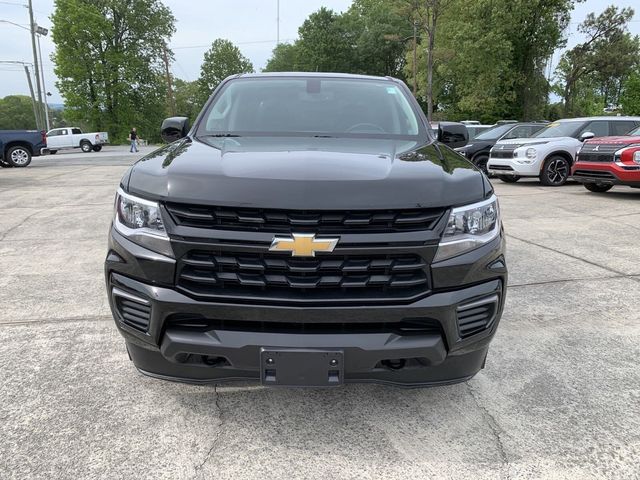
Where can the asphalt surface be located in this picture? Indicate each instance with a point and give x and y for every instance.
(560, 397)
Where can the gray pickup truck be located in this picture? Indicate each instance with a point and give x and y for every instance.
(17, 147)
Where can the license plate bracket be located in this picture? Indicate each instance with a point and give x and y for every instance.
(294, 367)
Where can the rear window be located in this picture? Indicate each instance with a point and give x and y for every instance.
(311, 106)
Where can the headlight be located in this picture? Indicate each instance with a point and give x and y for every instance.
(636, 157)
(531, 153)
(469, 227)
(141, 222)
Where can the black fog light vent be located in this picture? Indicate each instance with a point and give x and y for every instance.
(134, 312)
(476, 316)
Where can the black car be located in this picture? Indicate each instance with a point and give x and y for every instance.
(478, 149)
(17, 147)
(307, 230)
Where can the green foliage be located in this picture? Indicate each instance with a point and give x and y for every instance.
(108, 62)
(491, 57)
(283, 59)
(630, 97)
(220, 61)
(596, 68)
(187, 96)
(368, 39)
(16, 113)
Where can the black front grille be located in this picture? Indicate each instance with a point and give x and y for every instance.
(278, 276)
(502, 153)
(405, 327)
(599, 152)
(477, 316)
(593, 174)
(287, 221)
(134, 314)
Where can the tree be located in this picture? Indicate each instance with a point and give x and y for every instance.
(108, 62)
(630, 97)
(283, 59)
(220, 61)
(187, 96)
(608, 52)
(16, 113)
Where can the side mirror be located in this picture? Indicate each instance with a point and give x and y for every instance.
(587, 136)
(174, 128)
(453, 134)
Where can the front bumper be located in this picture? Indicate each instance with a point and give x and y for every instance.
(506, 166)
(606, 173)
(198, 342)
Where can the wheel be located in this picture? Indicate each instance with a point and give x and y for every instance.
(480, 161)
(18, 156)
(509, 178)
(97, 148)
(53, 152)
(555, 171)
(85, 146)
(597, 188)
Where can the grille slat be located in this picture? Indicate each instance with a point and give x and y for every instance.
(594, 174)
(134, 314)
(216, 273)
(286, 221)
(477, 316)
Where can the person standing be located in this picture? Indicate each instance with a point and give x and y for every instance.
(133, 136)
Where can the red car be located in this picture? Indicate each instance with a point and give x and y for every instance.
(604, 162)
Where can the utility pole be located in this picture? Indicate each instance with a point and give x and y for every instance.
(33, 98)
(415, 59)
(277, 22)
(171, 100)
(32, 23)
(44, 88)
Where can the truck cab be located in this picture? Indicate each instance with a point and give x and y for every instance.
(72, 137)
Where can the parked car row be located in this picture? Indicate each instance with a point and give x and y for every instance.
(551, 151)
(17, 147)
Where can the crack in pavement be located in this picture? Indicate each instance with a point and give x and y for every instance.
(584, 279)
(494, 427)
(214, 444)
(46, 321)
(24, 220)
(594, 264)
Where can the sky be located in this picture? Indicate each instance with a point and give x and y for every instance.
(250, 24)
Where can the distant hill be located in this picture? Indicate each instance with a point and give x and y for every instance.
(56, 106)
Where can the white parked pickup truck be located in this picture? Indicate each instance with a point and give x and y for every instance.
(72, 137)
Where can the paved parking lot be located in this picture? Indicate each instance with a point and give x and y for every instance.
(560, 397)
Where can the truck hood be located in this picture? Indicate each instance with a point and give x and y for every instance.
(307, 173)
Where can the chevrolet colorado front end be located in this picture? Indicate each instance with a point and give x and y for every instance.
(307, 231)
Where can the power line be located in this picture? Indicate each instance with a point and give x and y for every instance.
(183, 47)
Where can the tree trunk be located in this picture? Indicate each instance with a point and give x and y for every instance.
(430, 47)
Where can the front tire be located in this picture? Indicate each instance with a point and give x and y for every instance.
(86, 147)
(97, 148)
(594, 187)
(53, 152)
(480, 161)
(555, 171)
(509, 178)
(18, 156)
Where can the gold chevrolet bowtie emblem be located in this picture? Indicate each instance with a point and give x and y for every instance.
(303, 244)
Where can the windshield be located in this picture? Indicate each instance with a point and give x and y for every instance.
(494, 133)
(311, 106)
(635, 132)
(560, 129)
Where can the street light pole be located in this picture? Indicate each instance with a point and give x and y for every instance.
(415, 59)
(44, 88)
(32, 23)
